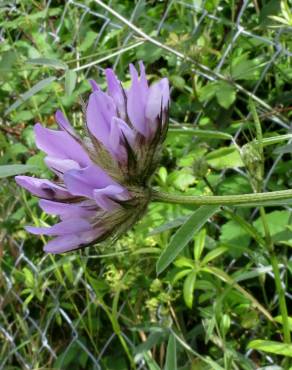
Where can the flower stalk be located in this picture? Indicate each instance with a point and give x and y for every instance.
(247, 200)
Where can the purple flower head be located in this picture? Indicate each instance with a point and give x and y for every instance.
(102, 176)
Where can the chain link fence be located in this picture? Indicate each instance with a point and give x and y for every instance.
(27, 336)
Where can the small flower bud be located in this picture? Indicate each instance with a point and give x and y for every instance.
(252, 158)
(200, 168)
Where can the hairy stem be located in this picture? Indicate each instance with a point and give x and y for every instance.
(251, 199)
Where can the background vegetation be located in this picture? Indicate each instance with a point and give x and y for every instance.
(216, 306)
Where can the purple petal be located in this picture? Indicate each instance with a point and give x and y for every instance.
(42, 188)
(116, 92)
(100, 110)
(60, 144)
(64, 123)
(66, 243)
(61, 165)
(136, 101)
(125, 130)
(62, 244)
(68, 210)
(143, 78)
(103, 197)
(119, 131)
(83, 182)
(71, 226)
(158, 98)
(94, 85)
(114, 140)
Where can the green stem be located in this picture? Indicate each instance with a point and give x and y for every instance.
(282, 300)
(279, 287)
(252, 199)
(117, 331)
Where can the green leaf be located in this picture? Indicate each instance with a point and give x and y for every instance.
(204, 134)
(229, 280)
(170, 361)
(181, 179)
(179, 275)
(234, 184)
(234, 236)
(280, 321)
(47, 62)
(245, 275)
(213, 365)
(269, 8)
(15, 169)
(270, 346)
(225, 94)
(278, 222)
(27, 95)
(68, 357)
(228, 232)
(183, 261)
(214, 254)
(199, 244)
(29, 279)
(243, 68)
(189, 287)
(184, 234)
(208, 91)
(227, 157)
(151, 363)
(149, 53)
(88, 41)
(70, 81)
(168, 225)
(68, 270)
(284, 149)
(38, 162)
(152, 340)
(162, 175)
(178, 82)
(7, 60)
(275, 140)
(3, 141)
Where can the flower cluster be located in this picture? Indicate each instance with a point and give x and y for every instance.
(103, 174)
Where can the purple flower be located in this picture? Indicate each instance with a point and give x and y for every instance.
(102, 177)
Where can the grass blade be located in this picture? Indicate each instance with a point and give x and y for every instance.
(229, 280)
(35, 89)
(15, 169)
(70, 81)
(271, 346)
(170, 361)
(48, 62)
(205, 134)
(168, 225)
(183, 235)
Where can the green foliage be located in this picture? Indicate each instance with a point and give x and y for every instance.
(15, 169)
(222, 158)
(271, 347)
(184, 234)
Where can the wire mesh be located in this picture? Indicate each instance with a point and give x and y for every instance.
(38, 342)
